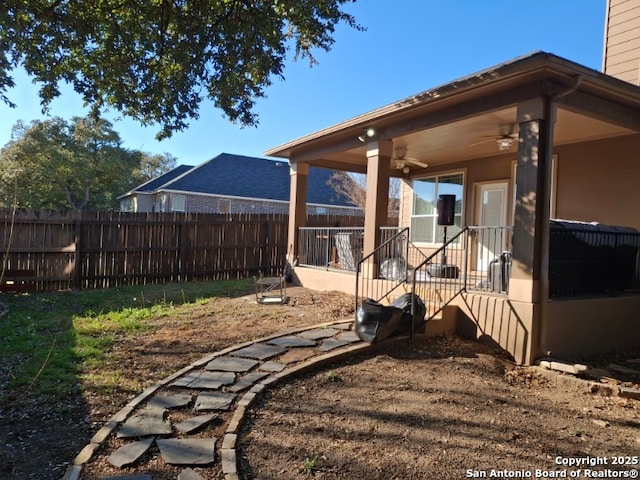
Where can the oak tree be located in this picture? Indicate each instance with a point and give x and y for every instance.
(157, 60)
(81, 164)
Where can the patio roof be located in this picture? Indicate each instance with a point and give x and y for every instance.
(460, 120)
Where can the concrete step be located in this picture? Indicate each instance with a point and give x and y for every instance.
(439, 326)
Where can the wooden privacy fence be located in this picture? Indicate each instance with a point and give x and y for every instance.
(107, 249)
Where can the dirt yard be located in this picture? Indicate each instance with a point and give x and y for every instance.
(444, 409)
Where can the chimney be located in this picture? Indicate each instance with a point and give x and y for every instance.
(621, 53)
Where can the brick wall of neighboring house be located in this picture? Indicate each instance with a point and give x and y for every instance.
(211, 204)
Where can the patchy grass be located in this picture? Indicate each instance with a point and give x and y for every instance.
(52, 340)
(333, 377)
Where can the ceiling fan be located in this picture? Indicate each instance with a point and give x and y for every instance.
(401, 161)
(504, 140)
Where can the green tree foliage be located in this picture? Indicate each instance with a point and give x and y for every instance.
(157, 60)
(81, 164)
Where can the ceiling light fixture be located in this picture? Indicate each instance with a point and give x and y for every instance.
(367, 133)
(504, 143)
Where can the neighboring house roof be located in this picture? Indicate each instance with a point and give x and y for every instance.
(232, 175)
(157, 182)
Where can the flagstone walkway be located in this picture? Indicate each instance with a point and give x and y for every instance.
(227, 381)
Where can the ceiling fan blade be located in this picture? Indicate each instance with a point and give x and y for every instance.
(492, 139)
(415, 161)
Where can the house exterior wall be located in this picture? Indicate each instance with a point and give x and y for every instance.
(570, 328)
(137, 203)
(594, 181)
(475, 172)
(500, 322)
(598, 181)
(578, 328)
(622, 40)
(213, 204)
(209, 204)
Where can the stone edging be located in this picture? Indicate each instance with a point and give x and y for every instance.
(586, 385)
(228, 451)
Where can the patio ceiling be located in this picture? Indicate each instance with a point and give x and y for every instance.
(462, 120)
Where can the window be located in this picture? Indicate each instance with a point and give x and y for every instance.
(177, 203)
(424, 215)
(127, 204)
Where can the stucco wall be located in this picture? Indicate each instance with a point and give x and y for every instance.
(498, 321)
(475, 172)
(599, 181)
(585, 327)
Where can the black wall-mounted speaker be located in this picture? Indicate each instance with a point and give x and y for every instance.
(446, 209)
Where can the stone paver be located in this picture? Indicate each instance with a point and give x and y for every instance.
(170, 401)
(318, 333)
(189, 474)
(231, 364)
(349, 336)
(248, 381)
(259, 351)
(272, 366)
(214, 401)
(331, 344)
(629, 392)
(130, 453)
(201, 380)
(563, 366)
(194, 424)
(187, 451)
(147, 422)
(292, 341)
(297, 355)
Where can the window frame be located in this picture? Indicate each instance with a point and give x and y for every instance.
(183, 200)
(436, 242)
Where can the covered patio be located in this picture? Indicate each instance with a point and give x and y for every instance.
(535, 138)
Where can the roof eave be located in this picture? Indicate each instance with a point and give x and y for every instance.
(542, 63)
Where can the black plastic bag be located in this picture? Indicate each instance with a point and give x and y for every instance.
(375, 322)
(403, 302)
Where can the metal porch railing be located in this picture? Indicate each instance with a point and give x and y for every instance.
(334, 248)
(593, 260)
(386, 268)
(476, 259)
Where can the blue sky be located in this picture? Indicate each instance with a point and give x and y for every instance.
(409, 46)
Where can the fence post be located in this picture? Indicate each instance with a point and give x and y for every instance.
(77, 263)
(268, 246)
(182, 250)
